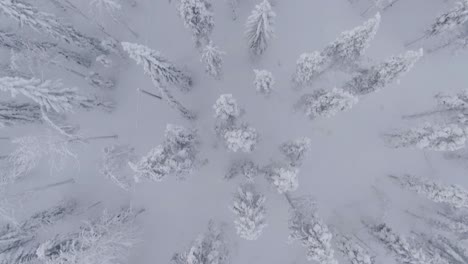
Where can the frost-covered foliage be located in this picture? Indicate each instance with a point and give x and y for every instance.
(244, 167)
(450, 20)
(323, 103)
(14, 238)
(249, 207)
(296, 150)
(432, 137)
(13, 113)
(284, 178)
(209, 248)
(212, 58)
(457, 101)
(383, 74)
(353, 251)
(308, 67)
(110, 6)
(351, 45)
(105, 240)
(264, 82)
(306, 227)
(198, 18)
(162, 73)
(226, 108)
(26, 14)
(243, 138)
(453, 195)
(260, 27)
(443, 249)
(160, 69)
(115, 165)
(404, 252)
(49, 95)
(177, 155)
(455, 222)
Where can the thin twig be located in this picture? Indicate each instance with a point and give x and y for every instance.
(150, 94)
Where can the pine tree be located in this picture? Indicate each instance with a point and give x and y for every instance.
(260, 27)
(177, 155)
(353, 251)
(26, 14)
(211, 57)
(115, 165)
(453, 195)
(162, 72)
(326, 104)
(381, 75)
(308, 67)
(431, 137)
(198, 17)
(441, 248)
(250, 210)
(351, 45)
(404, 252)
(450, 20)
(306, 227)
(264, 82)
(13, 113)
(243, 138)
(295, 150)
(243, 167)
(283, 177)
(107, 239)
(209, 248)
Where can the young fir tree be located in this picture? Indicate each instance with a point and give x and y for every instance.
(107, 239)
(13, 113)
(264, 82)
(249, 207)
(283, 177)
(398, 245)
(309, 66)
(348, 48)
(431, 137)
(295, 150)
(212, 58)
(260, 27)
(198, 18)
(177, 155)
(379, 76)
(26, 14)
(115, 167)
(325, 104)
(306, 227)
(162, 73)
(209, 248)
(453, 195)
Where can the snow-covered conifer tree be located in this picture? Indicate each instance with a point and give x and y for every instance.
(212, 58)
(177, 155)
(381, 75)
(243, 167)
(243, 138)
(306, 227)
(249, 207)
(348, 48)
(284, 178)
(260, 27)
(449, 20)
(115, 165)
(198, 18)
(453, 195)
(264, 82)
(353, 251)
(107, 239)
(308, 67)
(13, 113)
(295, 150)
(209, 248)
(398, 245)
(227, 112)
(26, 14)
(162, 72)
(443, 249)
(432, 137)
(322, 103)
